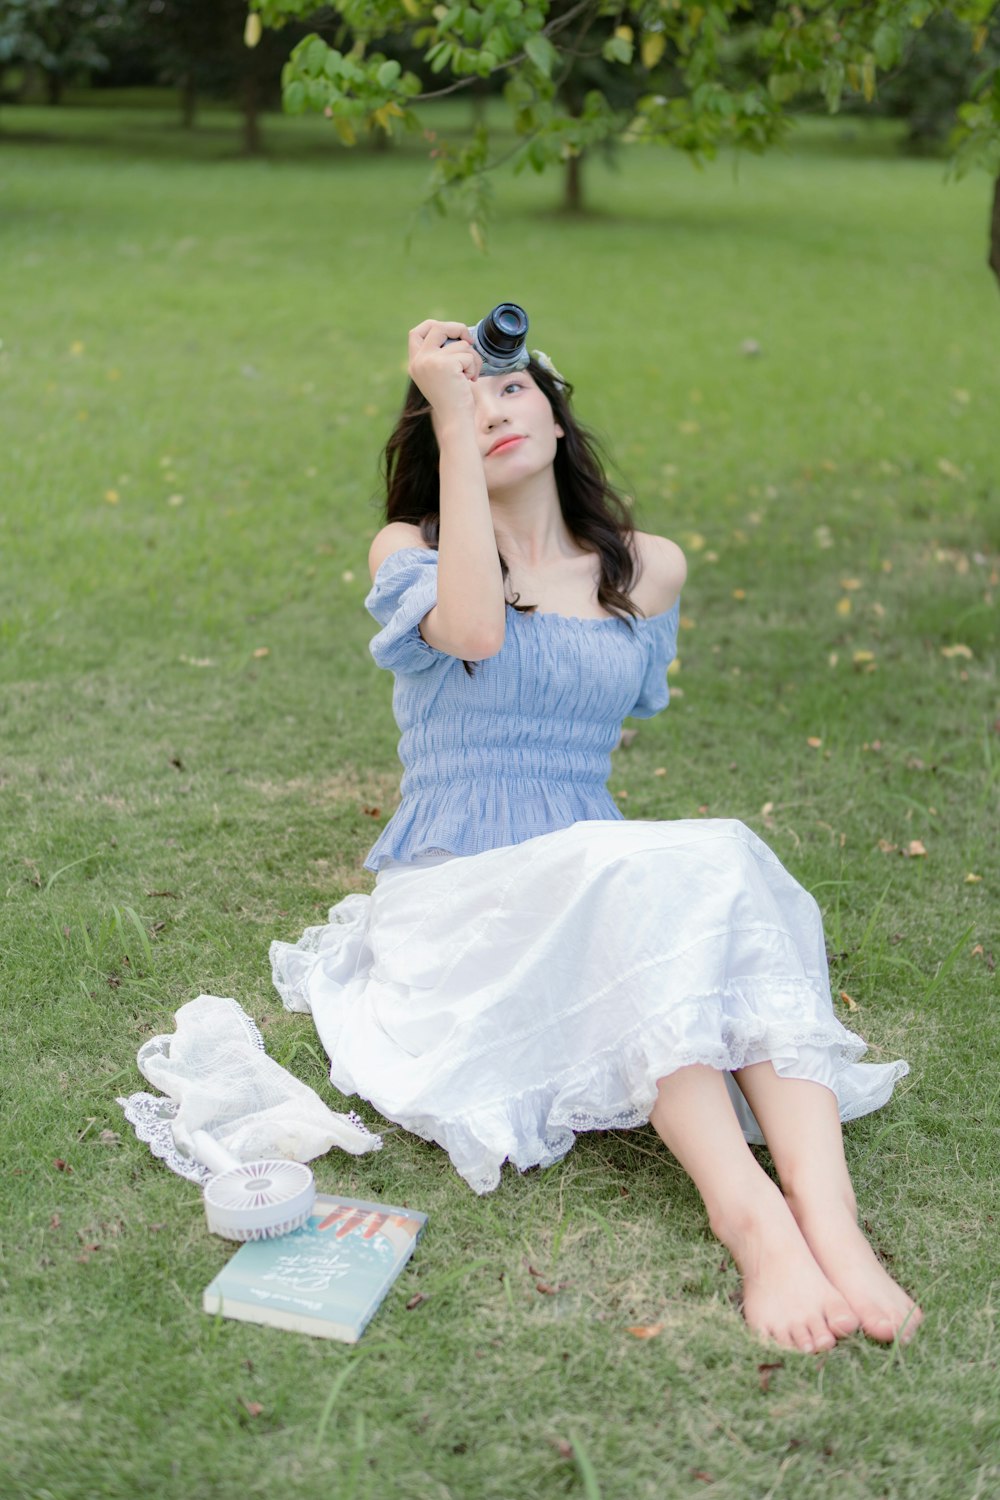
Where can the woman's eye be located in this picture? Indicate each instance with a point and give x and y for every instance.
(512, 385)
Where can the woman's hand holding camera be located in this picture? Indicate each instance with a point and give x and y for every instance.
(443, 364)
(468, 620)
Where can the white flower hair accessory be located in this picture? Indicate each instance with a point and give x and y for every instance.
(541, 358)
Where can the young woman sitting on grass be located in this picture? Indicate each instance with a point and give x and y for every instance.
(529, 964)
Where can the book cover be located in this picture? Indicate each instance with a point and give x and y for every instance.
(325, 1279)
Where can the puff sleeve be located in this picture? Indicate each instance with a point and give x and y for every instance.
(404, 591)
(661, 647)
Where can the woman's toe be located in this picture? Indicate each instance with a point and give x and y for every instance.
(843, 1324)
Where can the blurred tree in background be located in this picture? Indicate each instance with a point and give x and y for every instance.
(938, 75)
(56, 40)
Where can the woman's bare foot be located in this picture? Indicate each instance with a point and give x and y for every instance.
(786, 1296)
(830, 1229)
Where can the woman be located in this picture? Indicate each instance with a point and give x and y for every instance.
(529, 964)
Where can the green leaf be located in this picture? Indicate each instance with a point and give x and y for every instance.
(542, 54)
(887, 45)
(388, 73)
(314, 56)
(295, 98)
(617, 49)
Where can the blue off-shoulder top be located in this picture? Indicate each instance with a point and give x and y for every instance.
(523, 746)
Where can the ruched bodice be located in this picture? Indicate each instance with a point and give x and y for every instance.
(521, 746)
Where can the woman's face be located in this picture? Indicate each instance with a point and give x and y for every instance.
(516, 428)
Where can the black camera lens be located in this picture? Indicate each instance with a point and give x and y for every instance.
(503, 331)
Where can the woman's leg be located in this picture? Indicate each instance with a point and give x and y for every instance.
(801, 1125)
(786, 1295)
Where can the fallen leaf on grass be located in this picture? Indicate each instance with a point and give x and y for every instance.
(957, 650)
(887, 848)
(766, 1373)
(197, 661)
(844, 606)
(55, 1220)
(416, 1300)
(261, 651)
(112, 497)
(562, 1447)
(739, 593)
(971, 879)
(549, 1290)
(814, 742)
(850, 584)
(372, 812)
(702, 1476)
(914, 850)
(845, 997)
(644, 1330)
(252, 1408)
(61, 1166)
(863, 658)
(660, 771)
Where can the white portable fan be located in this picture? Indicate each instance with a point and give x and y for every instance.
(253, 1200)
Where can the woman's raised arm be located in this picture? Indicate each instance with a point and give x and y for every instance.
(468, 620)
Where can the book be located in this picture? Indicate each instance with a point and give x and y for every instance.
(327, 1278)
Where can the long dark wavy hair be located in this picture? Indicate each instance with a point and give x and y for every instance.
(593, 510)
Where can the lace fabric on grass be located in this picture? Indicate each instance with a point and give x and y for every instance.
(217, 1077)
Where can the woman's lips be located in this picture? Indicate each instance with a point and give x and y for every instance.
(507, 442)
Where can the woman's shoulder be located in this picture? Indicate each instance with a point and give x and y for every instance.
(395, 537)
(662, 569)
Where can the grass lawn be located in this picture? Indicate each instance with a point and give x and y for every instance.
(200, 358)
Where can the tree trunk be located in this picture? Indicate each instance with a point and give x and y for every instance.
(189, 101)
(573, 185)
(251, 115)
(995, 232)
(54, 87)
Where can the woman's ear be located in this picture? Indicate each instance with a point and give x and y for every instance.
(559, 431)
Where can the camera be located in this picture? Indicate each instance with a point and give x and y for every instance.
(500, 337)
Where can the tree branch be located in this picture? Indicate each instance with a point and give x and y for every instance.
(551, 30)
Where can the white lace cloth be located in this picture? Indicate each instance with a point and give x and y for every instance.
(218, 1078)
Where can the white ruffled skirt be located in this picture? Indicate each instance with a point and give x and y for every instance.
(498, 1003)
